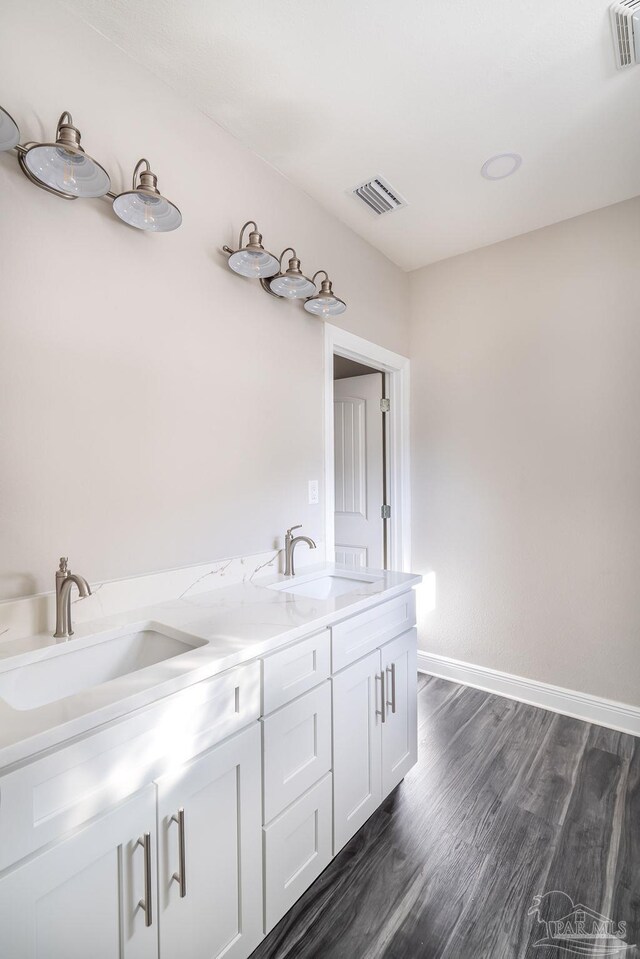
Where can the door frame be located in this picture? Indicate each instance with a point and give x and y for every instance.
(343, 343)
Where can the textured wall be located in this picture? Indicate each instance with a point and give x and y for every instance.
(156, 409)
(526, 453)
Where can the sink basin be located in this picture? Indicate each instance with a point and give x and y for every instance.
(81, 664)
(325, 585)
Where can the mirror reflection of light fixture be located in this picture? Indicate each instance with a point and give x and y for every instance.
(324, 303)
(9, 133)
(292, 284)
(144, 206)
(63, 167)
(252, 260)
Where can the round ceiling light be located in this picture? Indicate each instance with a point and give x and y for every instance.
(501, 166)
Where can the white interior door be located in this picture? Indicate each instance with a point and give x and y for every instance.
(359, 470)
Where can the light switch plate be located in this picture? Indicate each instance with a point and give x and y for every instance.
(314, 495)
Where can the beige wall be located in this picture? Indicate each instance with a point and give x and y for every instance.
(526, 453)
(156, 409)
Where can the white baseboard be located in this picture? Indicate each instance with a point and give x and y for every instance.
(592, 709)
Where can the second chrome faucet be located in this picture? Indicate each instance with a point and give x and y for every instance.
(290, 543)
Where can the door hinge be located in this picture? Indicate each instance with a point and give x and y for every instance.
(385, 405)
(385, 512)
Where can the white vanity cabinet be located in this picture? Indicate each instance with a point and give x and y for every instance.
(189, 828)
(374, 710)
(105, 889)
(209, 853)
(105, 892)
(81, 897)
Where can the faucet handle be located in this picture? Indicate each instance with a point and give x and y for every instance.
(291, 528)
(63, 564)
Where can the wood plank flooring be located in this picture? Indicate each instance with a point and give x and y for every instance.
(506, 802)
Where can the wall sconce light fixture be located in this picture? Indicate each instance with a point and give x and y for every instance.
(144, 206)
(254, 261)
(324, 303)
(292, 284)
(64, 169)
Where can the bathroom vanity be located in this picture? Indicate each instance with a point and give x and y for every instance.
(171, 781)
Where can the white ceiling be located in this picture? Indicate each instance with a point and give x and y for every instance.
(421, 92)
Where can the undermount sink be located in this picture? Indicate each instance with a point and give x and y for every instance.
(325, 585)
(82, 664)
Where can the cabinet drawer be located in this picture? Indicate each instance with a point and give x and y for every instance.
(297, 847)
(45, 799)
(292, 671)
(359, 635)
(296, 748)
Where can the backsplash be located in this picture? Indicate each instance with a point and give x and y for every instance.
(36, 614)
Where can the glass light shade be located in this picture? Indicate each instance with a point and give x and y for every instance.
(293, 287)
(9, 133)
(325, 305)
(67, 171)
(147, 211)
(293, 284)
(254, 263)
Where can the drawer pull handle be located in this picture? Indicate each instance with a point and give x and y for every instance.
(145, 904)
(382, 712)
(181, 877)
(393, 687)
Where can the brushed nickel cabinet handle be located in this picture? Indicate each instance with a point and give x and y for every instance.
(393, 687)
(382, 712)
(145, 904)
(181, 876)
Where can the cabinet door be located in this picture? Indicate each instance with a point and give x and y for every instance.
(400, 728)
(357, 780)
(214, 847)
(82, 896)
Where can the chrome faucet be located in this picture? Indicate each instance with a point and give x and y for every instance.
(64, 584)
(290, 543)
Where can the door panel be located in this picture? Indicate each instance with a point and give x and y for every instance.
(400, 729)
(359, 469)
(85, 890)
(354, 557)
(357, 783)
(221, 910)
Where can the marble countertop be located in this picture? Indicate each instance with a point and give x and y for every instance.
(239, 623)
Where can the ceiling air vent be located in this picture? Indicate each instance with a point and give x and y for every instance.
(625, 22)
(379, 196)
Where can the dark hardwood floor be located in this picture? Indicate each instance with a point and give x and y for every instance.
(506, 802)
